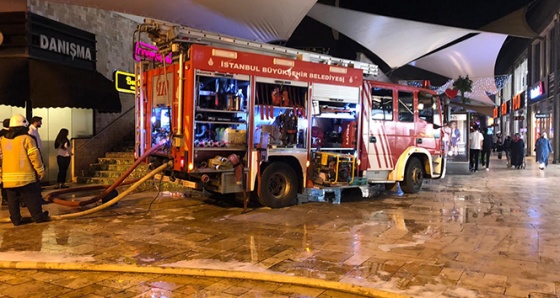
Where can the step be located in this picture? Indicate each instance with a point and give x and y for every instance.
(108, 167)
(120, 155)
(115, 160)
(146, 186)
(113, 168)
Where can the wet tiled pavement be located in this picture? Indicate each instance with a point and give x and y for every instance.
(490, 234)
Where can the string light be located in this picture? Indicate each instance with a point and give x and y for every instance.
(481, 86)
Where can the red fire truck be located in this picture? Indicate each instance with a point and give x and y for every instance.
(277, 123)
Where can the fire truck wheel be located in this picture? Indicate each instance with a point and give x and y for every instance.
(413, 176)
(278, 186)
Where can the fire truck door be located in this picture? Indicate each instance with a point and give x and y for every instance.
(428, 114)
(379, 132)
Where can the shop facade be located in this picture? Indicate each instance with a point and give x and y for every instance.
(55, 65)
(542, 92)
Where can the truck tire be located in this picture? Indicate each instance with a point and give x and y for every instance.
(278, 186)
(413, 176)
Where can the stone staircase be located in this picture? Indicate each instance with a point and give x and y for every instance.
(110, 167)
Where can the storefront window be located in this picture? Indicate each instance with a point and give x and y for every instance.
(458, 135)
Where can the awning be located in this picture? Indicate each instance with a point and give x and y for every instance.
(50, 85)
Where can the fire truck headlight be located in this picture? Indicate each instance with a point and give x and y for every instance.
(191, 166)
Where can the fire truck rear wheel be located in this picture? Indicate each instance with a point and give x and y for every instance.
(413, 176)
(278, 186)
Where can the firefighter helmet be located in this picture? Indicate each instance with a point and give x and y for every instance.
(18, 120)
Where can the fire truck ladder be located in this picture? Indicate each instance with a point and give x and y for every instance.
(168, 36)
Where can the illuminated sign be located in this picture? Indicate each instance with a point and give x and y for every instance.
(505, 108)
(124, 81)
(495, 113)
(143, 50)
(542, 115)
(536, 91)
(518, 102)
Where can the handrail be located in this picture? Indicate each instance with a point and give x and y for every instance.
(94, 137)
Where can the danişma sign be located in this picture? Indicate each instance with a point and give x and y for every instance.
(60, 43)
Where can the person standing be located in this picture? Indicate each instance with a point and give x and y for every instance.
(36, 123)
(487, 145)
(517, 151)
(543, 150)
(6, 124)
(22, 169)
(476, 138)
(62, 145)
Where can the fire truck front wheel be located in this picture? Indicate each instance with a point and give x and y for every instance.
(413, 176)
(278, 186)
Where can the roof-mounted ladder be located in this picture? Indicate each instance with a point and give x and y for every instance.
(165, 34)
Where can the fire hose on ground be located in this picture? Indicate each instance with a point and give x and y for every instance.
(52, 197)
(107, 204)
(201, 272)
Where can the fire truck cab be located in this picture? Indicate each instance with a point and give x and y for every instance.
(250, 118)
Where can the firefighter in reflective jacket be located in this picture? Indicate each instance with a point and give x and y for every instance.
(22, 169)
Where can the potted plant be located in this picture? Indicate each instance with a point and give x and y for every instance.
(463, 85)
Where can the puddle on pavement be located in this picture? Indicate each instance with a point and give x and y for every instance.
(464, 198)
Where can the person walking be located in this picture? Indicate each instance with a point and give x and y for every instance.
(543, 150)
(487, 145)
(22, 169)
(507, 150)
(36, 123)
(476, 138)
(62, 146)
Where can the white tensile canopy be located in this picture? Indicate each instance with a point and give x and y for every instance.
(259, 20)
(398, 42)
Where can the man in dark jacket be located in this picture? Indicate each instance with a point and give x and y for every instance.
(517, 151)
(486, 149)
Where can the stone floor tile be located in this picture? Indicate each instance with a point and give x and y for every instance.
(462, 234)
(451, 273)
(519, 287)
